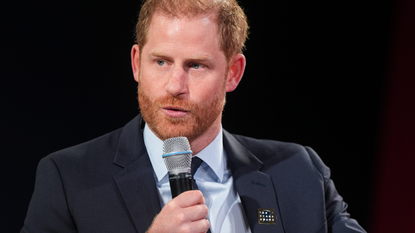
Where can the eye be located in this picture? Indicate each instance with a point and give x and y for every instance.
(160, 62)
(195, 66)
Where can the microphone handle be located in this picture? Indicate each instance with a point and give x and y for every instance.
(180, 183)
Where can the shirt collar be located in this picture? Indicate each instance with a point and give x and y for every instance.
(212, 155)
(155, 150)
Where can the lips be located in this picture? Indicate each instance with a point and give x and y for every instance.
(175, 112)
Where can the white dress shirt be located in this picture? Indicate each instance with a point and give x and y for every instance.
(214, 180)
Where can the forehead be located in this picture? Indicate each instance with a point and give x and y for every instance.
(186, 12)
(184, 25)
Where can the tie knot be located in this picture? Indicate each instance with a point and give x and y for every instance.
(196, 161)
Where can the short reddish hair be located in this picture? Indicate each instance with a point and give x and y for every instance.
(231, 19)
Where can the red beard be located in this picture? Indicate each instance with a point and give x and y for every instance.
(199, 119)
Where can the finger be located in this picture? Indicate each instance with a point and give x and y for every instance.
(195, 212)
(189, 198)
(201, 225)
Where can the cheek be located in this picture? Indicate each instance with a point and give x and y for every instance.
(208, 91)
(148, 83)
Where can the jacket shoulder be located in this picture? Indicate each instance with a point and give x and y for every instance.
(272, 152)
(265, 148)
(101, 149)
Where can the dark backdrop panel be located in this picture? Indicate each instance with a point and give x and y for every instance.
(314, 76)
(394, 206)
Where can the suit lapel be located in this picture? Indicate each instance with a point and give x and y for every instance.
(136, 181)
(256, 189)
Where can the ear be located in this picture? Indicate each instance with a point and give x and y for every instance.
(135, 61)
(235, 72)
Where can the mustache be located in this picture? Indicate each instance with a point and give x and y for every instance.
(176, 103)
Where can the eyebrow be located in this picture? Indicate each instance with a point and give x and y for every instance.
(202, 57)
(157, 54)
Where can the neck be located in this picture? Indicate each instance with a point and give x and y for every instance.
(207, 137)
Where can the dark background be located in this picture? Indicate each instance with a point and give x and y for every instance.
(315, 75)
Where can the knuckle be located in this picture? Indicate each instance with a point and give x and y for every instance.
(181, 217)
(170, 204)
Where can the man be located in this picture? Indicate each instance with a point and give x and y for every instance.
(187, 56)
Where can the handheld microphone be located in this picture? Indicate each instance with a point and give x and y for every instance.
(178, 159)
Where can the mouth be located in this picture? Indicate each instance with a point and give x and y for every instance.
(174, 112)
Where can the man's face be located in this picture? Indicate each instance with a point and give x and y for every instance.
(182, 76)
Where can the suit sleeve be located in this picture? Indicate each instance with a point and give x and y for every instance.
(338, 220)
(48, 210)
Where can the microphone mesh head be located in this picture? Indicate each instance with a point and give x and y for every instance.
(178, 162)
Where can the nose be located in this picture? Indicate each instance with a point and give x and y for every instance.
(177, 82)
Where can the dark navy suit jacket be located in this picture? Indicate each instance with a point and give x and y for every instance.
(107, 185)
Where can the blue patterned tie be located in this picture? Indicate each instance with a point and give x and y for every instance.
(196, 161)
